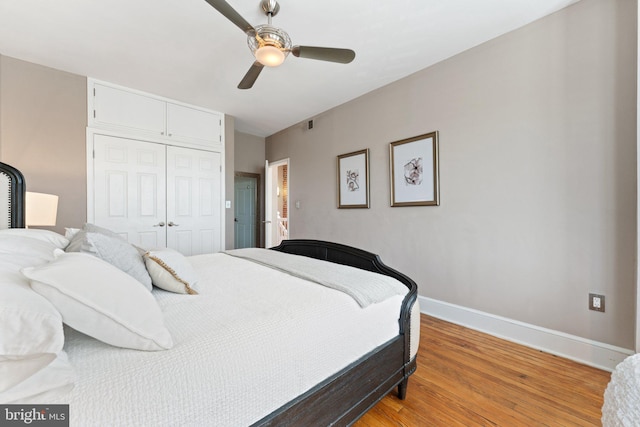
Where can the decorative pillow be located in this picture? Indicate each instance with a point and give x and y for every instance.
(57, 377)
(97, 229)
(32, 331)
(114, 250)
(52, 237)
(100, 300)
(70, 232)
(171, 271)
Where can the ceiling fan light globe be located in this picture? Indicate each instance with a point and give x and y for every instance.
(270, 56)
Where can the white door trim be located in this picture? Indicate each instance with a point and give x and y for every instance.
(270, 196)
(637, 325)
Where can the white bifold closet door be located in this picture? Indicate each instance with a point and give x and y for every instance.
(158, 196)
(193, 200)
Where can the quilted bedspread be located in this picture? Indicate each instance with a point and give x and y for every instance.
(253, 339)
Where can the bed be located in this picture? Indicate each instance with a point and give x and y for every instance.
(246, 337)
(621, 406)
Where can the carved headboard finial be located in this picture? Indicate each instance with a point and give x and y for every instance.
(12, 197)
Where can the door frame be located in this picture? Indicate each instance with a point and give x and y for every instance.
(257, 204)
(271, 196)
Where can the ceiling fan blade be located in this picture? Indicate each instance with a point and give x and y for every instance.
(250, 78)
(343, 56)
(228, 12)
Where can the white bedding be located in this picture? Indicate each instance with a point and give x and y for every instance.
(365, 287)
(621, 406)
(253, 339)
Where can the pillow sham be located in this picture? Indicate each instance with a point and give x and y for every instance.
(114, 250)
(48, 236)
(58, 377)
(101, 301)
(32, 331)
(170, 270)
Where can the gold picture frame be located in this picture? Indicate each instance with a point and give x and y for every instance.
(353, 180)
(414, 171)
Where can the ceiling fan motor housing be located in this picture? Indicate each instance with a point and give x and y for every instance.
(268, 35)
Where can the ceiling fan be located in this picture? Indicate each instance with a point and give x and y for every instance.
(271, 45)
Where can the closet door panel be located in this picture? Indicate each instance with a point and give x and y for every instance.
(130, 189)
(194, 200)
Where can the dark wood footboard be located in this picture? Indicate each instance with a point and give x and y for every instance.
(346, 396)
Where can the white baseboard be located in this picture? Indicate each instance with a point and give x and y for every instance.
(588, 352)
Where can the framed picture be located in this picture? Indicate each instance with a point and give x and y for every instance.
(414, 171)
(353, 180)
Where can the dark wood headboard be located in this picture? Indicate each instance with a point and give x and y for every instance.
(12, 197)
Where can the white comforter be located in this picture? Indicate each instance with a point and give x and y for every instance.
(254, 339)
(621, 406)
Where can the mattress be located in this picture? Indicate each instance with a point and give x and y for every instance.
(252, 340)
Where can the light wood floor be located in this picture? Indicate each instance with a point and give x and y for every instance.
(467, 378)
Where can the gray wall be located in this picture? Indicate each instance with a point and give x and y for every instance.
(43, 121)
(250, 157)
(250, 153)
(537, 167)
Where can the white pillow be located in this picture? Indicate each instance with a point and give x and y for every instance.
(31, 328)
(99, 300)
(15, 370)
(171, 271)
(114, 250)
(58, 377)
(52, 237)
(17, 252)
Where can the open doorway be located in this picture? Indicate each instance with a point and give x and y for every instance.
(277, 188)
(247, 210)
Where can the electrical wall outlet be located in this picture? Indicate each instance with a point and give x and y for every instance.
(596, 302)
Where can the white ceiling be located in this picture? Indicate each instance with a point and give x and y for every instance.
(185, 50)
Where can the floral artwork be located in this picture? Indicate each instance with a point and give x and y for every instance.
(414, 171)
(353, 180)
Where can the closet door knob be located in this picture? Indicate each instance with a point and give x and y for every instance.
(172, 224)
(160, 224)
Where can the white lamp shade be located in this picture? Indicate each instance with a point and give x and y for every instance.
(40, 209)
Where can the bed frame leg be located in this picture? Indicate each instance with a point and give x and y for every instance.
(402, 389)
